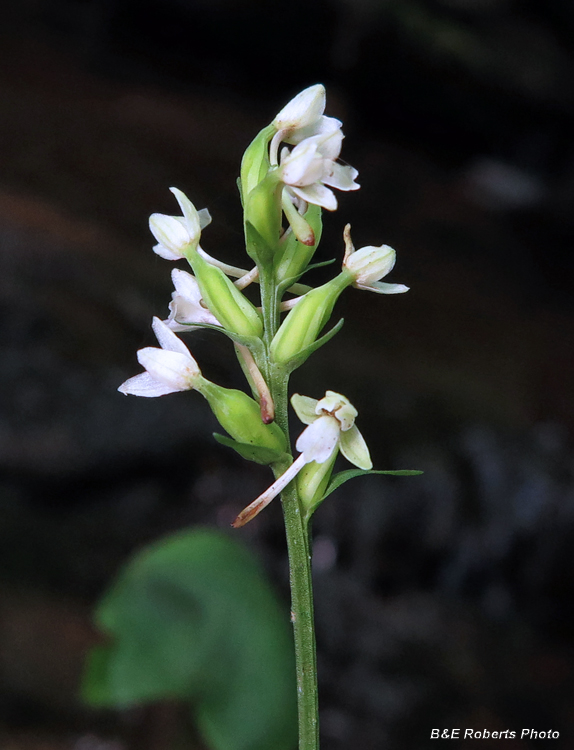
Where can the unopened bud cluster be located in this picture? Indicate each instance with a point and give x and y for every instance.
(288, 175)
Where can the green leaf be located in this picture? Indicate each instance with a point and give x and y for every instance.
(303, 355)
(255, 453)
(253, 343)
(193, 618)
(343, 476)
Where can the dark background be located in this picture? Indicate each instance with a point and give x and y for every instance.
(442, 601)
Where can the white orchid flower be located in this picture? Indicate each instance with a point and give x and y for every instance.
(311, 169)
(176, 234)
(369, 264)
(302, 118)
(168, 370)
(186, 307)
(331, 426)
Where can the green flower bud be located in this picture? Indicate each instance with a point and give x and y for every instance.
(295, 255)
(305, 321)
(224, 300)
(263, 212)
(255, 163)
(240, 416)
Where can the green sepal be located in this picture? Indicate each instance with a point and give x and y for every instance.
(304, 354)
(255, 453)
(294, 256)
(238, 183)
(343, 476)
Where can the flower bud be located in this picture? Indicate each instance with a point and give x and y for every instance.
(305, 321)
(171, 233)
(255, 163)
(240, 416)
(178, 235)
(369, 264)
(224, 300)
(262, 209)
(295, 255)
(303, 110)
(312, 481)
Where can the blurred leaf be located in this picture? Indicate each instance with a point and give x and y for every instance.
(193, 618)
(344, 476)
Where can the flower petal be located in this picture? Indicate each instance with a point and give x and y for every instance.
(323, 126)
(329, 144)
(168, 340)
(186, 285)
(342, 177)
(145, 385)
(165, 253)
(304, 407)
(318, 441)
(317, 194)
(169, 232)
(204, 217)
(303, 110)
(190, 213)
(354, 448)
(175, 370)
(381, 287)
(303, 165)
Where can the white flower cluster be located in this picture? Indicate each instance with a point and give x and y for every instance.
(310, 170)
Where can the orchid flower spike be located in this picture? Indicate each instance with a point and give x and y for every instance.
(331, 426)
(177, 234)
(369, 264)
(187, 307)
(311, 169)
(168, 370)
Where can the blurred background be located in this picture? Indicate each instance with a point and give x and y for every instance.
(442, 601)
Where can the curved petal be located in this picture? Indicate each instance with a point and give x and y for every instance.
(171, 368)
(190, 213)
(381, 287)
(304, 407)
(323, 126)
(303, 110)
(302, 166)
(317, 194)
(145, 385)
(169, 232)
(165, 253)
(186, 285)
(354, 448)
(204, 217)
(342, 177)
(329, 144)
(318, 441)
(168, 340)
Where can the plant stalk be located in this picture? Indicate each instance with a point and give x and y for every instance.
(298, 547)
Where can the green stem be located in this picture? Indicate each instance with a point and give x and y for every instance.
(301, 597)
(297, 545)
